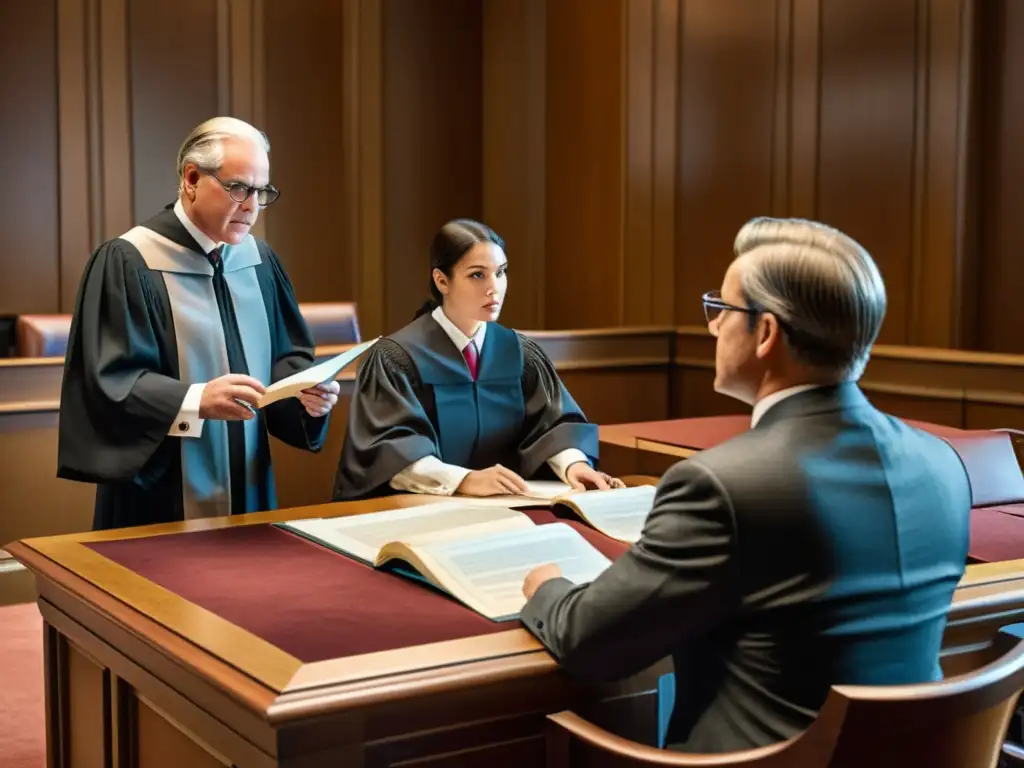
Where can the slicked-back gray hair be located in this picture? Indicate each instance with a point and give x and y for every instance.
(204, 146)
(822, 286)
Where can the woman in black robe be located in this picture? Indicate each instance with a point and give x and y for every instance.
(455, 402)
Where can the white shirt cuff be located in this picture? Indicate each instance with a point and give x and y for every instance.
(429, 475)
(187, 423)
(562, 460)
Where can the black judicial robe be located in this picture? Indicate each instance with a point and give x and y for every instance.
(152, 316)
(414, 397)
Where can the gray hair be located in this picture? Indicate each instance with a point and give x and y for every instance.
(822, 286)
(205, 147)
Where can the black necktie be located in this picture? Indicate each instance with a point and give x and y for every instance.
(236, 364)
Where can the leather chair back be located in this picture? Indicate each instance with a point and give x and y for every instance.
(42, 335)
(992, 467)
(331, 323)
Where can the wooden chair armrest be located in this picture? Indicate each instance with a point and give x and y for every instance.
(608, 742)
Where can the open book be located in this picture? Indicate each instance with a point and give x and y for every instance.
(619, 513)
(478, 555)
(292, 386)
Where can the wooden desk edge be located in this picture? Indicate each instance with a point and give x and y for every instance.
(160, 615)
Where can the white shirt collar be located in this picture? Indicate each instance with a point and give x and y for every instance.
(458, 338)
(204, 242)
(762, 406)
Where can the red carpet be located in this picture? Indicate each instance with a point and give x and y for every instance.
(22, 724)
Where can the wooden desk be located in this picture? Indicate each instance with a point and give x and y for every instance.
(136, 675)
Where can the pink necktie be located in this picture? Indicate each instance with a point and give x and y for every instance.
(469, 352)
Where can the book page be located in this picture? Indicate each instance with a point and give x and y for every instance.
(540, 493)
(362, 536)
(619, 512)
(488, 573)
(292, 386)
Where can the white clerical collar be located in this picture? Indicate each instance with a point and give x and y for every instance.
(762, 406)
(459, 339)
(204, 242)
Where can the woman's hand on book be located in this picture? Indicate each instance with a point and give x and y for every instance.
(582, 477)
(493, 481)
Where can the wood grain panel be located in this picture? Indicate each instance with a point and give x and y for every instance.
(1001, 197)
(513, 148)
(161, 743)
(29, 222)
(88, 710)
(362, 173)
(867, 130)
(35, 501)
(584, 164)
(609, 397)
(727, 104)
(432, 137)
(113, 161)
(171, 91)
(76, 240)
(944, 257)
(305, 123)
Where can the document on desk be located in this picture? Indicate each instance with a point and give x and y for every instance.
(487, 573)
(618, 512)
(292, 386)
(479, 555)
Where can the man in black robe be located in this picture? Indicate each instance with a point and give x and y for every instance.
(179, 324)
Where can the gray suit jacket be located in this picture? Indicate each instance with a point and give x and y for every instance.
(820, 548)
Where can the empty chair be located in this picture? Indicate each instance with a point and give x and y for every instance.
(956, 723)
(42, 335)
(333, 322)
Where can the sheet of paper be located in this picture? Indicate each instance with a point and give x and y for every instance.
(364, 535)
(620, 512)
(492, 569)
(293, 385)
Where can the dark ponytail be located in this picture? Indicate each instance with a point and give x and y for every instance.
(448, 247)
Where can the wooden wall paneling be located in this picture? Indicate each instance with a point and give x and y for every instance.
(664, 171)
(115, 145)
(73, 63)
(727, 103)
(943, 253)
(174, 87)
(936, 405)
(693, 391)
(304, 117)
(868, 102)
(610, 396)
(584, 144)
(242, 70)
(514, 148)
(1000, 312)
(432, 144)
(363, 170)
(29, 219)
(803, 102)
(637, 115)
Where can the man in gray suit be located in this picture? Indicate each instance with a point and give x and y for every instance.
(820, 548)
